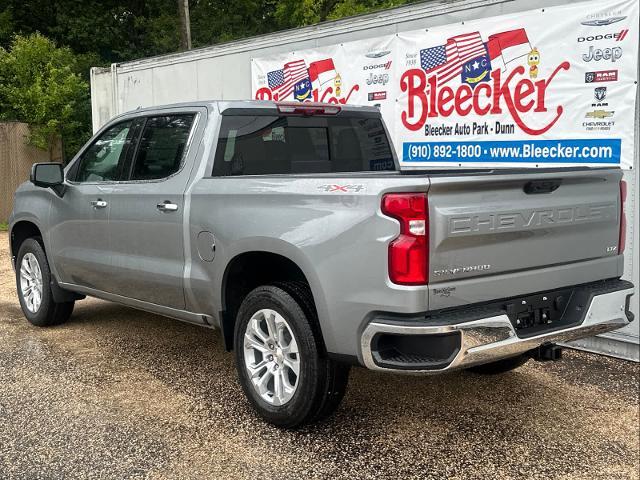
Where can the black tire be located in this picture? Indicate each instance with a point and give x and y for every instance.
(322, 382)
(337, 373)
(49, 312)
(501, 366)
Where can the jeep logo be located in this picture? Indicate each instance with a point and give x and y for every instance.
(380, 79)
(597, 54)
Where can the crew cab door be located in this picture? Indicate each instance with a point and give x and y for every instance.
(79, 234)
(147, 211)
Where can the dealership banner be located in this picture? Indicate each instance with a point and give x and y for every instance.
(358, 72)
(546, 87)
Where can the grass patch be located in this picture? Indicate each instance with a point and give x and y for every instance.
(4, 226)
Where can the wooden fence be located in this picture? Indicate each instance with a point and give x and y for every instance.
(16, 158)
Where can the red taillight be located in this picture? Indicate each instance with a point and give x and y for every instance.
(308, 108)
(623, 218)
(409, 252)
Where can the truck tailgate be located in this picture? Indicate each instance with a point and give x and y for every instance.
(508, 226)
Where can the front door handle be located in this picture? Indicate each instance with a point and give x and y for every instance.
(167, 206)
(99, 203)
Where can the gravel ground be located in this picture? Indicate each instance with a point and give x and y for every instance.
(118, 393)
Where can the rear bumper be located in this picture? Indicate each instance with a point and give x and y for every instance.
(459, 343)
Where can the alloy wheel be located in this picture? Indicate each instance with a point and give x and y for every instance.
(31, 282)
(271, 357)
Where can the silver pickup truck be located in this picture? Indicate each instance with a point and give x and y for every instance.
(291, 228)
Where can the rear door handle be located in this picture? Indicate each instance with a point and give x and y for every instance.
(167, 206)
(99, 203)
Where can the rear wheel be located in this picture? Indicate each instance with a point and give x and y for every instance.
(501, 366)
(281, 364)
(33, 279)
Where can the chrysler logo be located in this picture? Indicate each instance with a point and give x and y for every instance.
(379, 54)
(600, 22)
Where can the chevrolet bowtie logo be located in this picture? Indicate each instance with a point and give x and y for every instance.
(599, 114)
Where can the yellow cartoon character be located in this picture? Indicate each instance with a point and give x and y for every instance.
(533, 60)
(338, 84)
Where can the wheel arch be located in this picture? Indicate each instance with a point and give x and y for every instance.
(249, 269)
(19, 232)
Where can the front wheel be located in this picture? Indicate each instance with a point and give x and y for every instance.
(33, 279)
(282, 368)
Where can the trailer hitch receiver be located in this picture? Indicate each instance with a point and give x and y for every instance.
(547, 352)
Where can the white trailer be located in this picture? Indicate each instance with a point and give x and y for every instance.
(225, 72)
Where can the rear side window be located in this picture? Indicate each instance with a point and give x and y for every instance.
(162, 146)
(265, 144)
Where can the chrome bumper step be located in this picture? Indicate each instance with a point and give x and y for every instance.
(490, 338)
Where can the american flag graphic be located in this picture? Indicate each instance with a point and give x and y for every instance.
(446, 61)
(282, 81)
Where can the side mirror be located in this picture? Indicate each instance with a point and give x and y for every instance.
(48, 175)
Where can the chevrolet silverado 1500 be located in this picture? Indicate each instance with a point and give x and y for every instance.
(291, 228)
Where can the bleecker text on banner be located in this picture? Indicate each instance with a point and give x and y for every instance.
(546, 87)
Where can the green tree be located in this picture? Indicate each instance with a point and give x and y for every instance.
(6, 25)
(295, 13)
(215, 21)
(122, 30)
(40, 85)
(114, 30)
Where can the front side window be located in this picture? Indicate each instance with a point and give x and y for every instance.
(269, 144)
(162, 146)
(104, 159)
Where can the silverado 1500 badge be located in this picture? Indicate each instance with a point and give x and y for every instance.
(462, 269)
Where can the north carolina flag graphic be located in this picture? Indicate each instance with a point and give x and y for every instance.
(321, 72)
(282, 81)
(508, 46)
(446, 61)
